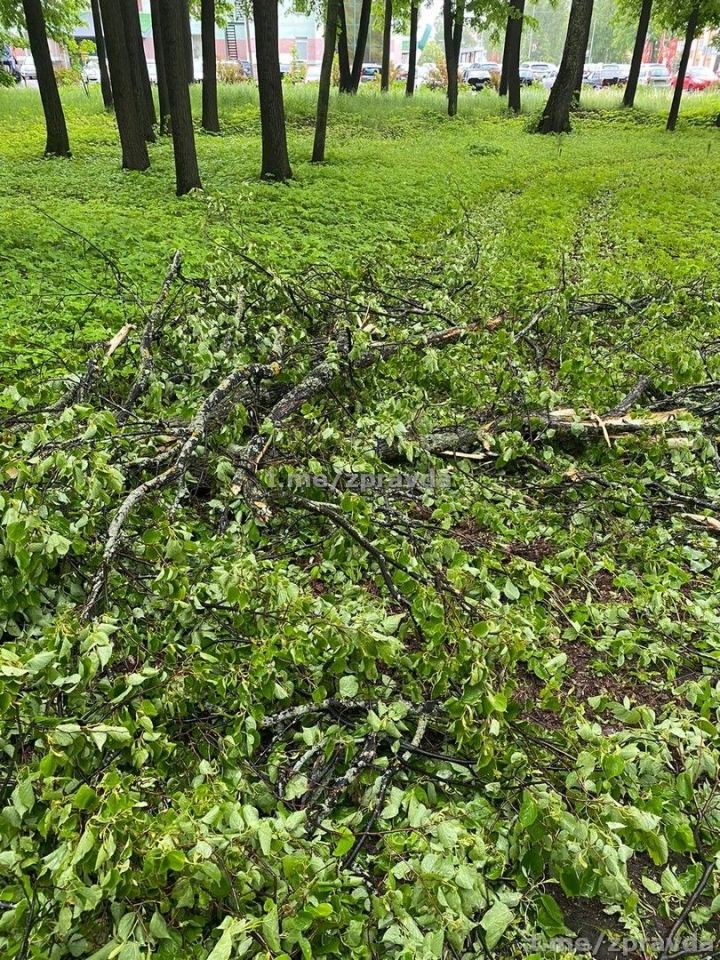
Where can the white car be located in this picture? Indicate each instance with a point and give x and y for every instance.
(91, 70)
(477, 76)
(27, 69)
(539, 68)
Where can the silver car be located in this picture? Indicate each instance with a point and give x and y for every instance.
(655, 75)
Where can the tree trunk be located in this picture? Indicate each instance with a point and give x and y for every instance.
(453, 17)
(210, 119)
(682, 69)
(138, 67)
(556, 116)
(160, 67)
(129, 121)
(412, 50)
(172, 17)
(331, 21)
(387, 37)
(343, 53)
(503, 88)
(513, 41)
(581, 66)
(188, 52)
(105, 85)
(56, 142)
(638, 51)
(275, 161)
(362, 36)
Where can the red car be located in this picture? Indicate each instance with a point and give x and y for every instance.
(698, 78)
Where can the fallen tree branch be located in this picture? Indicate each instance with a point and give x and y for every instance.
(174, 472)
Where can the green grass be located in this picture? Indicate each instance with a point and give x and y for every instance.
(397, 174)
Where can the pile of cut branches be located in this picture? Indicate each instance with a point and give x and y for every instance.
(328, 627)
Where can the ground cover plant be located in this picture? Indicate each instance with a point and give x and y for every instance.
(358, 539)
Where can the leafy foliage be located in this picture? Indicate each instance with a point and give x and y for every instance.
(258, 744)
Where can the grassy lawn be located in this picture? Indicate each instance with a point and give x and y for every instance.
(456, 709)
(397, 175)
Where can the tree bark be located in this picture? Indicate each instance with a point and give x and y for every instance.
(160, 67)
(556, 115)
(138, 67)
(412, 49)
(343, 52)
(682, 69)
(331, 22)
(581, 66)
(503, 88)
(210, 119)
(57, 142)
(189, 54)
(638, 51)
(387, 37)
(105, 85)
(172, 17)
(453, 17)
(511, 60)
(129, 121)
(361, 43)
(275, 160)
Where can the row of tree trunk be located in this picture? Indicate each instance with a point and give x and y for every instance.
(126, 88)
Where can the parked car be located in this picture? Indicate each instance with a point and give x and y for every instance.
(548, 81)
(490, 65)
(698, 79)
(608, 75)
(476, 76)
(369, 71)
(27, 69)
(539, 68)
(654, 75)
(91, 70)
(152, 71)
(9, 64)
(312, 73)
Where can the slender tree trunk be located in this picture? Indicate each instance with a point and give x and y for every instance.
(138, 67)
(343, 53)
(172, 17)
(682, 69)
(129, 121)
(556, 116)
(513, 42)
(581, 66)
(638, 51)
(160, 67)
(453, 17)
(275, 160)
(105, 85)
(503, 88)
(412, 50)
(57, 142)
(361, 43)
(331, 21)
(189, 53)
(387, 37)
(210, 119)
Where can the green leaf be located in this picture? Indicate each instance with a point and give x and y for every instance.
(348, 687)
(23, 797)
(495, 922)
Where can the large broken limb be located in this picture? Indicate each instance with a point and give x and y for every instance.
(175, 471)
(244, 483)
